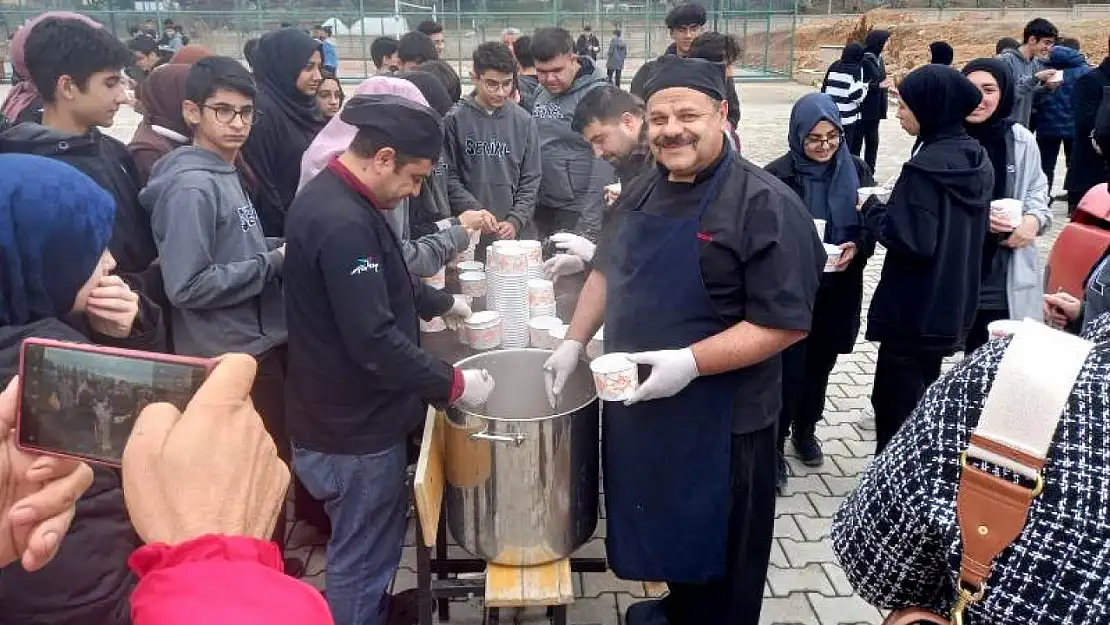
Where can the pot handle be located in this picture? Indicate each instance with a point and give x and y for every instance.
(516, 438)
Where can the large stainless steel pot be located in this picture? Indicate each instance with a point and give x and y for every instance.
(522, 485)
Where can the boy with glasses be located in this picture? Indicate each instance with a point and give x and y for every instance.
(492, 146)
(222, 275)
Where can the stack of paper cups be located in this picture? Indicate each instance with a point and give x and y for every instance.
(534, 250)
(507, 287)
(541, 298)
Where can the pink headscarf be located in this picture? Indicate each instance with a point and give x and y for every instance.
(338, 134)
(24, 93)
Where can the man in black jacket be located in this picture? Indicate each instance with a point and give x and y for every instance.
(933, 229)
(358, 382)
(77, 69)
(1085, 167)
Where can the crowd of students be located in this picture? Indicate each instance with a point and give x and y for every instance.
(264, 211)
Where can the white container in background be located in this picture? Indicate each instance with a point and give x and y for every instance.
(615, 377)
(820, 225)
(472, 283)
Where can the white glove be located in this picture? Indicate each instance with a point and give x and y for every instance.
(559, 366)
(572, 243)
(671, 371)
(561, 265)
(477, 387)
(459, 311)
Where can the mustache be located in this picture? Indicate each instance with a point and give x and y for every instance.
(675, 141)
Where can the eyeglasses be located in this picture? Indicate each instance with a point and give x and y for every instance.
(227, 114)
(816, 142)
(498, 85)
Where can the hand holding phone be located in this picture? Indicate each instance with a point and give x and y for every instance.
(112, 307)
(212, 469)
(38, 494)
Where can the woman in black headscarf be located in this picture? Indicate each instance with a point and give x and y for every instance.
(1011, 270)
(933, 228)
(821, 170)
(286, 65)
(873, 109)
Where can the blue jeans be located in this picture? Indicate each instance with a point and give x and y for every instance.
(366, 501)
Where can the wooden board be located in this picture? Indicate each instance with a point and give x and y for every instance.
(525, 586)
(427, 485)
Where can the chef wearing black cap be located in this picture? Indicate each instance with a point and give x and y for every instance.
(711, 273)
(358, 381)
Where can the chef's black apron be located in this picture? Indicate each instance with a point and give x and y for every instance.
(666, 461)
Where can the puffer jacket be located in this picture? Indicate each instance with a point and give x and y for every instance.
(1055, 116)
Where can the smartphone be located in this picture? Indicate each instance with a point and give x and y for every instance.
(81, 401)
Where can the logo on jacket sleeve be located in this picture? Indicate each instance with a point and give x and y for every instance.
(248, 217)
(365, 265)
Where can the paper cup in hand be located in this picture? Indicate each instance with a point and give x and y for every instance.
(1008, 208)
(1002, 328)
(881, 194)
(820, 225)
(833, 252)
(615, 377)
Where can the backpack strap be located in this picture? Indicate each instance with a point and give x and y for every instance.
(1020, 416)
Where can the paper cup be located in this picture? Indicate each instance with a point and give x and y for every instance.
(615, 376)
(820, 225)
(558, 334)
(471, 265)
(472, 283)
(435, 325)
(1002, 328)
(539, 331)
(833, 253)
(880, 193)
(541, 293)
(483, 330)
(534, 250)
(1008, 208)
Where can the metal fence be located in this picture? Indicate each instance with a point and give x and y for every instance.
(768, 35)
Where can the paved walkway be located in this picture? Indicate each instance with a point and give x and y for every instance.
(804, 583)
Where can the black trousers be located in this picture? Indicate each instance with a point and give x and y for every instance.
(268, 395)
(865, 138)
(806, 366)
(901, 378)
(614, 76)
(1050, 151)
(737, 598)
(978, 335)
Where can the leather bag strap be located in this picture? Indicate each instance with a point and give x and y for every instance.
(1019, 420)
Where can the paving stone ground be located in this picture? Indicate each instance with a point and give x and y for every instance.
(804, 583)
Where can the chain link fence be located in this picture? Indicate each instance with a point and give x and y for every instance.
(767, 34)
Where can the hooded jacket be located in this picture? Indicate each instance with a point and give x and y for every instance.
(935, 223)
(573, 178)
(1026, 84)
(493, 162)
(106, 161)
(1055, 116)
(288, 120)
(875, 105)
(222, 275)
(1086, 168)
(844, 82)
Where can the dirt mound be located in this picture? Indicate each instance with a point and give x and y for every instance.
(971, 35)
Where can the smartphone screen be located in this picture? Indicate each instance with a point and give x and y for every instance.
(85, 403)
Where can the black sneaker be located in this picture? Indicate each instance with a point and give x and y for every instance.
(809, 450)
(783, 473)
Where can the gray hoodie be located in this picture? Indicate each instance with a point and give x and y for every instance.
(222, 275)
(1026, 85)
(573, 178)
(493, 162)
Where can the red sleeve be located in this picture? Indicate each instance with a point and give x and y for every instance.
(220, 579)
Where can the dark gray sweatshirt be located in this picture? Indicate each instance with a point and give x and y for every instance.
(221, 273)
(493, 161)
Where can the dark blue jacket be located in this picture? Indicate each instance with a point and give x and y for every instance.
(1055, 116)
